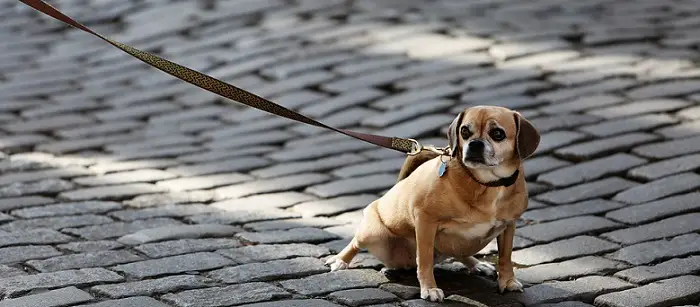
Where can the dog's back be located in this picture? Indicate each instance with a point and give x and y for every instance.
(413, 162)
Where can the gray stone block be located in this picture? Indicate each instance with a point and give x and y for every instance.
(264, 252)
(226, 296)
(668, 292)
(334, 206)
(178, 232)
(590, 265)
(294, 303)
(562, 250)
(17, 254)
(659, 188)
(271, 270)
(335, 281)
(33, 236)
(296, 235)
(185, 246)
(358, 297)
(88, 207)
(595, 189)
(671, 268)
(648, 252)
(656, 209)
(18, 285)
(667, 167)
(84, 260)
(54, 298)
(138, 301)
(114, 230)
(669, 227)
(173, 265)
(584, 288)
(595, 206)
(151, 286)
(550, 231)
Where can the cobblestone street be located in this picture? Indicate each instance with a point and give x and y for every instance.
(123, 186)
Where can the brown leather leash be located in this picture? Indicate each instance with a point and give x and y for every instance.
(216, 86)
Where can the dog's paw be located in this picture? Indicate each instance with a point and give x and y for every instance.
(483, 268)
(432, 294)
(511, 284)
(336, 264)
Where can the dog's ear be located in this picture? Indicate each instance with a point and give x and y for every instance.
(527, 138)
(453, 133)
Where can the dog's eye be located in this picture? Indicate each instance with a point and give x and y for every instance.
(465, 132)
(497, 135)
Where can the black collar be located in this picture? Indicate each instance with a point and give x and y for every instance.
(503, 182)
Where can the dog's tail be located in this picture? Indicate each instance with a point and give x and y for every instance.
(413, 162)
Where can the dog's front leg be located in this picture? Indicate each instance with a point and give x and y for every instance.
(425, 245)
(506, 277)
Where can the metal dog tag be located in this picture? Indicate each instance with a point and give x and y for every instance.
(442, 169)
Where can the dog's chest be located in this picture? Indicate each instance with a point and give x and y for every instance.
(480, 231)
(462, 239)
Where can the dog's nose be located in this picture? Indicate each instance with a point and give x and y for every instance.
(476, 147)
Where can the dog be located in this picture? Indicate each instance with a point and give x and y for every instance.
(453, 205)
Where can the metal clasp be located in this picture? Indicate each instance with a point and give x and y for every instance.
(417, 147)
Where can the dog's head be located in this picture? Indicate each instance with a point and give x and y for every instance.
(486, 137)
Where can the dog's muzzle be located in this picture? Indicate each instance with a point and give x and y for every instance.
(475, 151)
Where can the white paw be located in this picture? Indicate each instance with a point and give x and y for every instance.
(484, 268)
(510, 285)
(336, 264)
(432, 294)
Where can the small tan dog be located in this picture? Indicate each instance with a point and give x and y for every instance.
(453, 206)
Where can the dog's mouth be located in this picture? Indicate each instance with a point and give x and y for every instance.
(477, 162)
(475, 159)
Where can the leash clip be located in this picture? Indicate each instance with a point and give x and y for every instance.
(416, 148)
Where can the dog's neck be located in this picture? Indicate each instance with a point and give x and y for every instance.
(500, 182)
(502, 176)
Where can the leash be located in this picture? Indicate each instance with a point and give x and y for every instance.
(221, 88)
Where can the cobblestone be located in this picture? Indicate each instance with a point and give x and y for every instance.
(265, 252)
(656, 209)
(584, 288)
(177, 232)
(15, 254)
(358, 297)
(151, 286)
(85, 260)
(139, 301)
(227, 296)
(593, 169)
(173, 265)
(664, 228)
(18, 285)
(569, 227)
(88, 207)
(659, 188)
(685, 289)
(562, 250)
(296, 235)
(118, 229)
(335, 281)
(271, 270)
(595, 189)
(594, 206)
(667, 269)
(647, 252)
(60, 297)
(590, 265)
